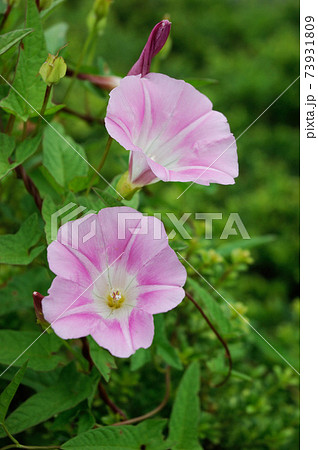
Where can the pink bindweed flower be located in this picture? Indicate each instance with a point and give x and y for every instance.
(172, 132)
(120, 272)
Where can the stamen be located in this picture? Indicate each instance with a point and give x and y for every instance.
(115, 299)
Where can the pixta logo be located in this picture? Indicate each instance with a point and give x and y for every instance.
(74, 232)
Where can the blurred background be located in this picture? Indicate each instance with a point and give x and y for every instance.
(242, 54)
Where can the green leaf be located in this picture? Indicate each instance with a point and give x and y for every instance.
(62, 156)
(32, 378)
(48, 11)
(9, 392)
(17, 294)
(18, 248)
(8, 40)
(102, 359)
(163, 346)
(212, 308)
(85, 422)
(71, 388)
(6, 148)
(42, 353)
(140, 358)
(26, 83)
(184, 420)
(226, 250)
(147, 434)
(24, 150)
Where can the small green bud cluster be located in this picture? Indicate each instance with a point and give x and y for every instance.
(53, 69)
(98, 16)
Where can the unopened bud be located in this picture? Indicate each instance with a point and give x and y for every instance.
(156, 41)
(37, 301)
(101, 8)
(53, 69)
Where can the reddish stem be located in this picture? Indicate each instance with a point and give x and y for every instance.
(217, 334)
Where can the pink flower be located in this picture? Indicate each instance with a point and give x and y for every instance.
(117, 272)
(172, 132)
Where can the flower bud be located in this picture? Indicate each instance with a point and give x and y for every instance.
(37, 301)
(53, 69)
(125, 187)
(156, 41)
(101, 8)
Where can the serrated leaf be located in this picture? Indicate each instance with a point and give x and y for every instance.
(18, 248)
(71, 388)
(9, 392)
(184, 420)
(26, 83)
(212, 307)
(147, 434)
(102, 359)
(17, 294)
(8, 40)
(42, 353)
(62, 156)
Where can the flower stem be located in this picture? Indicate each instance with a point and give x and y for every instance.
(157, 409)
(103, 394)
(43, 108)
(101, 164)
(217, 334)
(10, 435)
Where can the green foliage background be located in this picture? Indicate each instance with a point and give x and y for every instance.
(251, 48)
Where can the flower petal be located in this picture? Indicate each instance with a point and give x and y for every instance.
(64, 296)
(123, 338)
(174, 126)
(164, 269)
(159, 298)
(64, 263)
